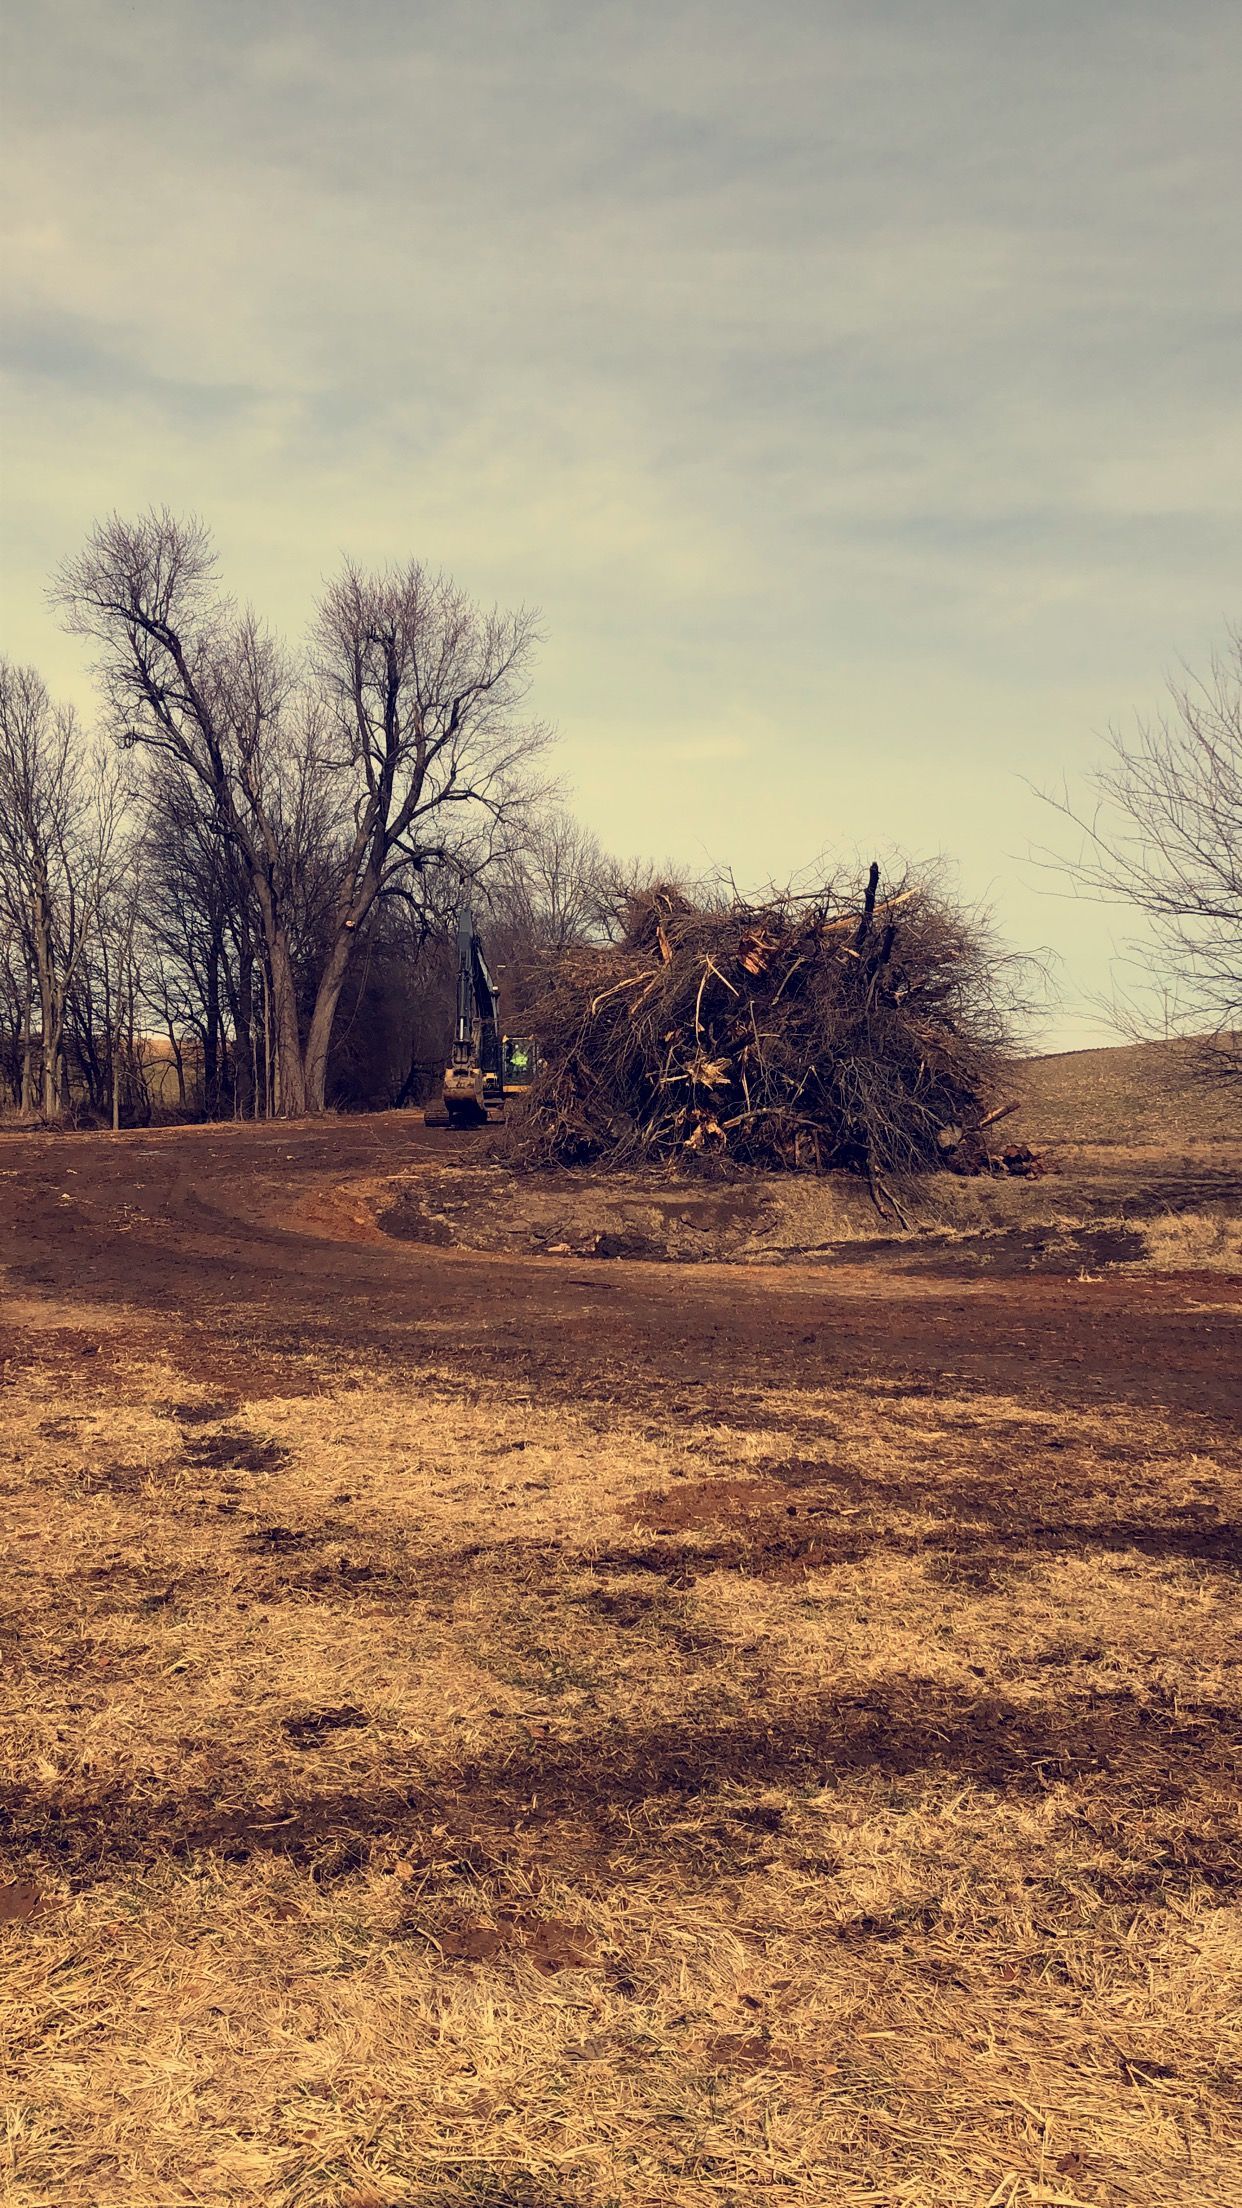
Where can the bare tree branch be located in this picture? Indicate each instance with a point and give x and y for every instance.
(1163, 836)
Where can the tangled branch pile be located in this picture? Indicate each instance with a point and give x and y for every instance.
(845, 1030)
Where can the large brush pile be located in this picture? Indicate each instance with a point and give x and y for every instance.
(846, 1030)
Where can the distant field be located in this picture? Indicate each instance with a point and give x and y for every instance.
(1135, 1094)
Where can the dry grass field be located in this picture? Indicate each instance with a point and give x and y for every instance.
(497, 1731)
(1141, 1094)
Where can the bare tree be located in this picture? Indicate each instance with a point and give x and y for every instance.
(115, 971)
(1164, 836)
(189, 679)
(195, 893)
(425, 691)
(548, 889)
(332, 779)
(61, 810)
(17, 1078)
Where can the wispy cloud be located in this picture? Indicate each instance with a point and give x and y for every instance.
(855, 386)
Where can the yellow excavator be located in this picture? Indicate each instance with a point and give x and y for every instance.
(485, 1065)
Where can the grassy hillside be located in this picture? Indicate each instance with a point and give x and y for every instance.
(1135, 1093)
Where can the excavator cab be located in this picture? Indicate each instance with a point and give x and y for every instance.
(484, 1064)
(519, 1058)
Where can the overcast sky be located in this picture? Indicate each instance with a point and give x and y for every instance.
(857, 388)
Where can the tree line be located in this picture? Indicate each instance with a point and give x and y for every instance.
(252, 864)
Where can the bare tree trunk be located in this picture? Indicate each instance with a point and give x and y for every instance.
(51, 1011)
(52, 1083)
(177, 1055)
(245, 1085)
(289, 1067)
(139, 1083)
(211, 1034)
(28, 1079)
(319, 1040)
(268, 1081)
(47, 1000)
(237, 1061)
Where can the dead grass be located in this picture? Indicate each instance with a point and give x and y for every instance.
(1132, 1094)
(1194, 1241)
(441, 1802)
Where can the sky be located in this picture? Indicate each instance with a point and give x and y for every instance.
(854, 385)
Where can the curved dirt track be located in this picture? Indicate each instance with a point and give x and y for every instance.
(243, 1251)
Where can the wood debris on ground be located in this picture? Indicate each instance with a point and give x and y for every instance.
(849, 1029)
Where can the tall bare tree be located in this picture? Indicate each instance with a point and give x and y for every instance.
(1163, 835)
(426, 691)
(188, 678)
(17, 1056)
(196, 902)
(397, 744)
(61, 809)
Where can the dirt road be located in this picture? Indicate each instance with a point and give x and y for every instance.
(248, 1248)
